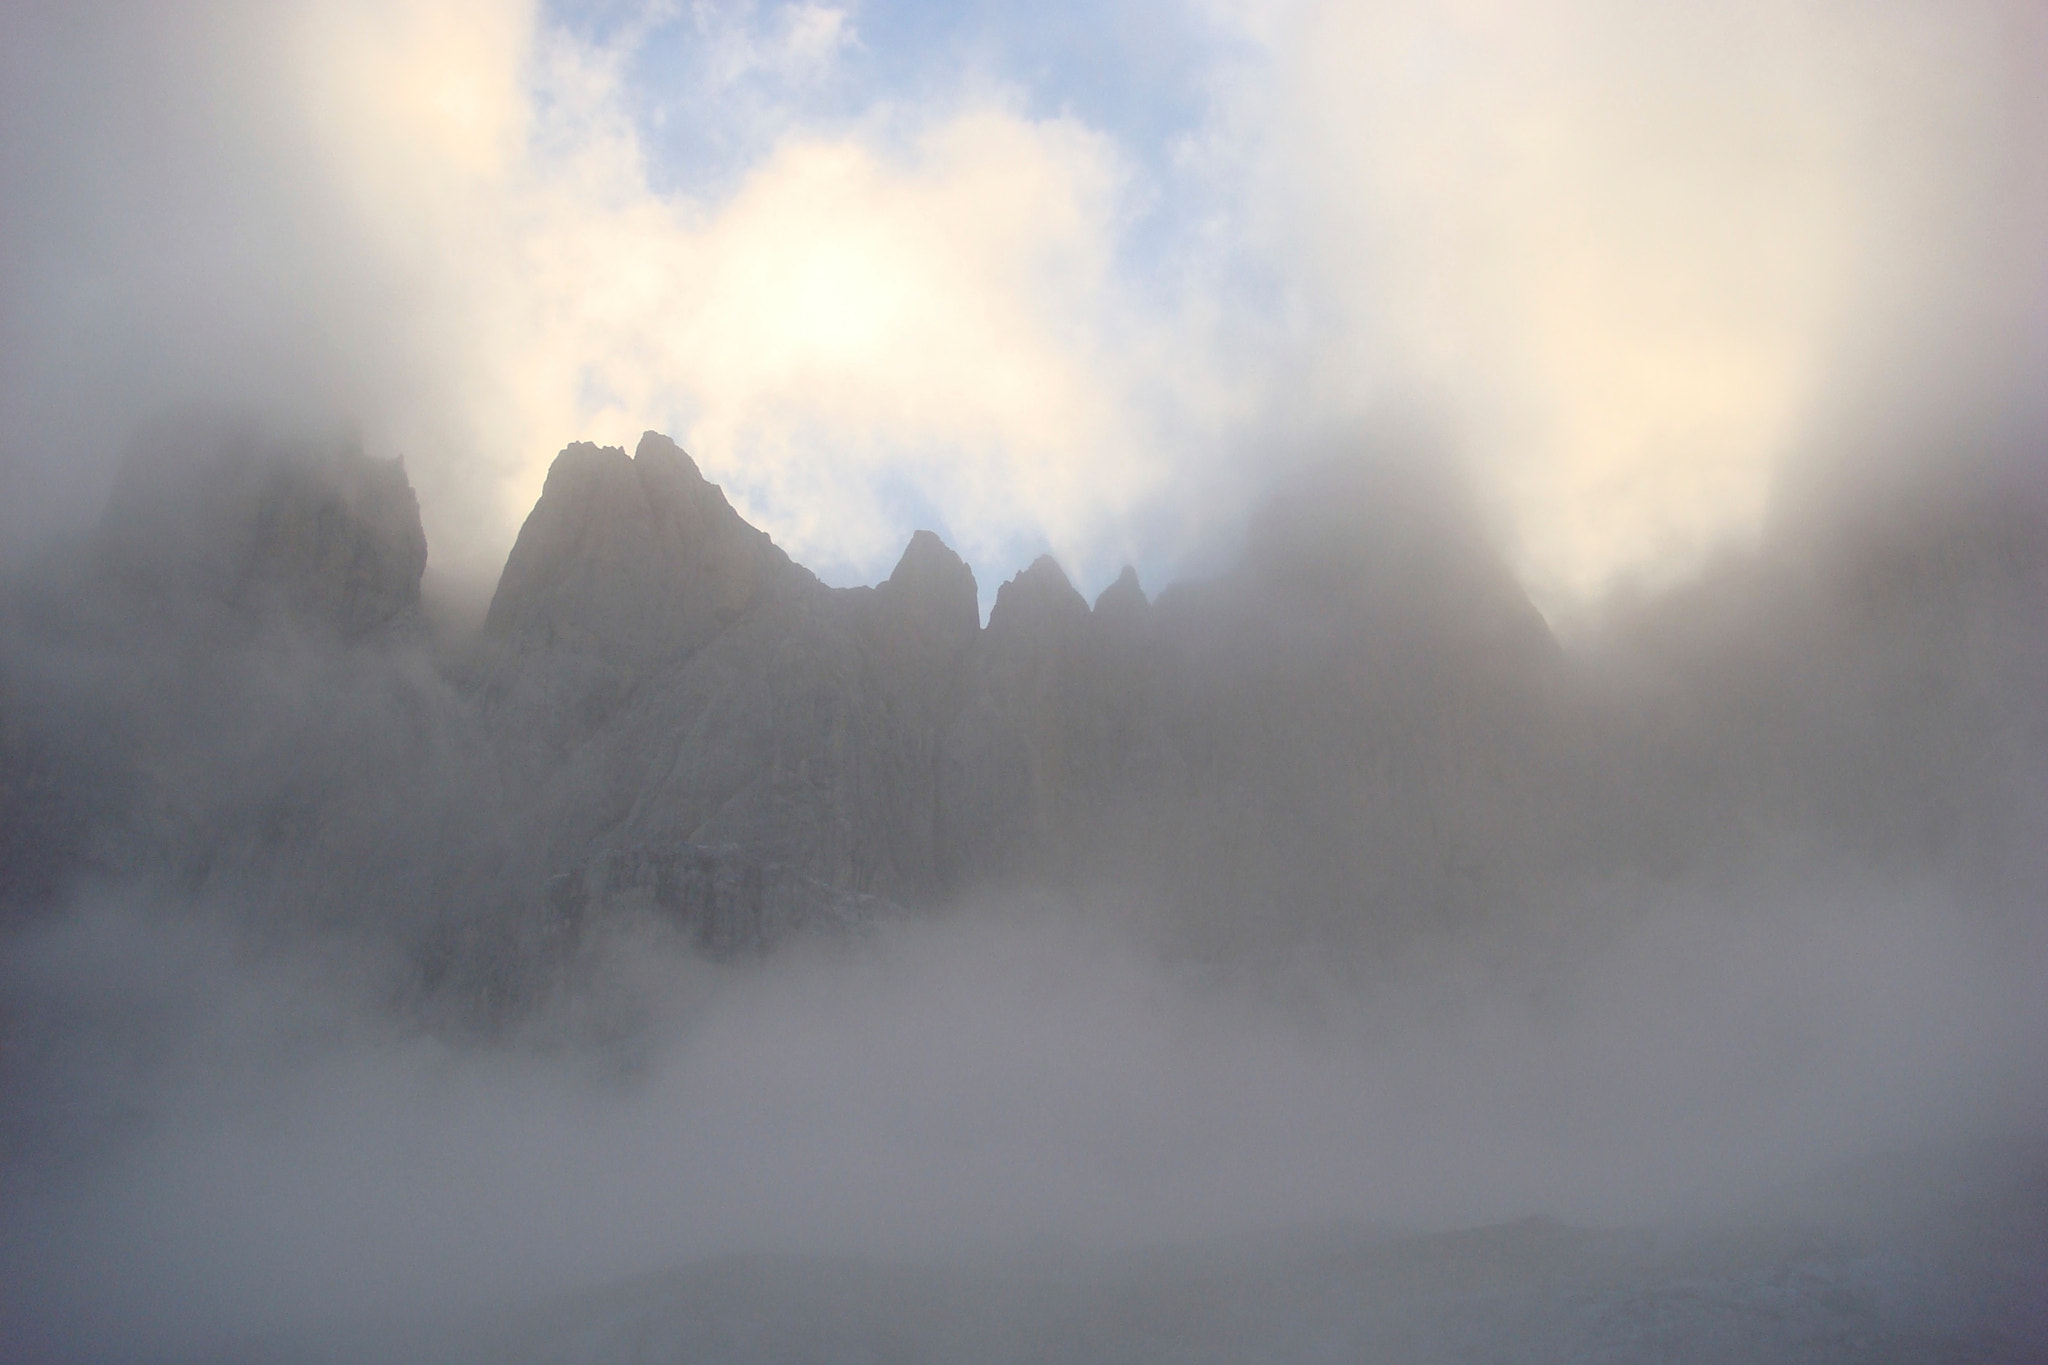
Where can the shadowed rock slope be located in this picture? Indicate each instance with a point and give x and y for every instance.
(226, 693)
(1360, 733)
(1323, 734)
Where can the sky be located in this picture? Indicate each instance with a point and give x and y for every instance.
(1083, 279)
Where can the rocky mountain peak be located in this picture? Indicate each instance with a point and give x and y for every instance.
(932, 581)
(673, 478)
(327, 534)
(1123, 602)
(1037, 601)
(633, 560)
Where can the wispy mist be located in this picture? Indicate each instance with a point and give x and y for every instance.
(1570, 743)
(261, 1154)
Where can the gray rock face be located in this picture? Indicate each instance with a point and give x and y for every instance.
(227, 694)
(636, 561)
(1308, 738)
(1015, 762)
(804, 731)
(1123, 603)
(329, 535)
(1362, 730)
(729, 902)
(665, 680)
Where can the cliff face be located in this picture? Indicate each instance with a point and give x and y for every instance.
(1306, 735)
(226, 693)
(661, 677)
(668, 713)
(325, 534)
(1361, 732)
(635, 561)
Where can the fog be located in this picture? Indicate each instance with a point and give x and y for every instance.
(289, 1055)
(1579, 750)
(244, 1149)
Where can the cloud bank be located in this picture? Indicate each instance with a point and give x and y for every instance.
(1635, 256)
(262, 1156)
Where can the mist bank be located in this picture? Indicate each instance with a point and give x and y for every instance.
(229, 1146)
(354, 969)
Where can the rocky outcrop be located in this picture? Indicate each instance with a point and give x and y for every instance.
(1015, 777)
(1280, 737)
(1360, 731)
(325, 534)
(727, 901)
(227, 693)
(635, 561)
(675, 716)
(1123, 604)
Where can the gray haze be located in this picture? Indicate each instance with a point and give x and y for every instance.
(403, 924)
(357, 971)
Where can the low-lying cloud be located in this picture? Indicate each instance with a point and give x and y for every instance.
(261, 1154)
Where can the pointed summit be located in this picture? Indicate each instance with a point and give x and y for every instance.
(657, 458)
(261, 523)
(1038, 599)
(1123, 602)
(634, 560)
(934, 586)
(653, 445)
(928, 563)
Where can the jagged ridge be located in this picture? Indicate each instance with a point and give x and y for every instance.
(1361, 731)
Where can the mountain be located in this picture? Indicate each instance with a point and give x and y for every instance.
(323, 533)
(1306, 737)
(226, 696)
(1359, 736)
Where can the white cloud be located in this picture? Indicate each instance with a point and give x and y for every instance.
(1626, 246)
(800, 43)
(1624, 242)
(438, 220)
(923, 306)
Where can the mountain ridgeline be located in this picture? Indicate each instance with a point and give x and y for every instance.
(1360, 738)
(1313, 736)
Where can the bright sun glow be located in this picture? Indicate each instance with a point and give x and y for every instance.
(1615, 245)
